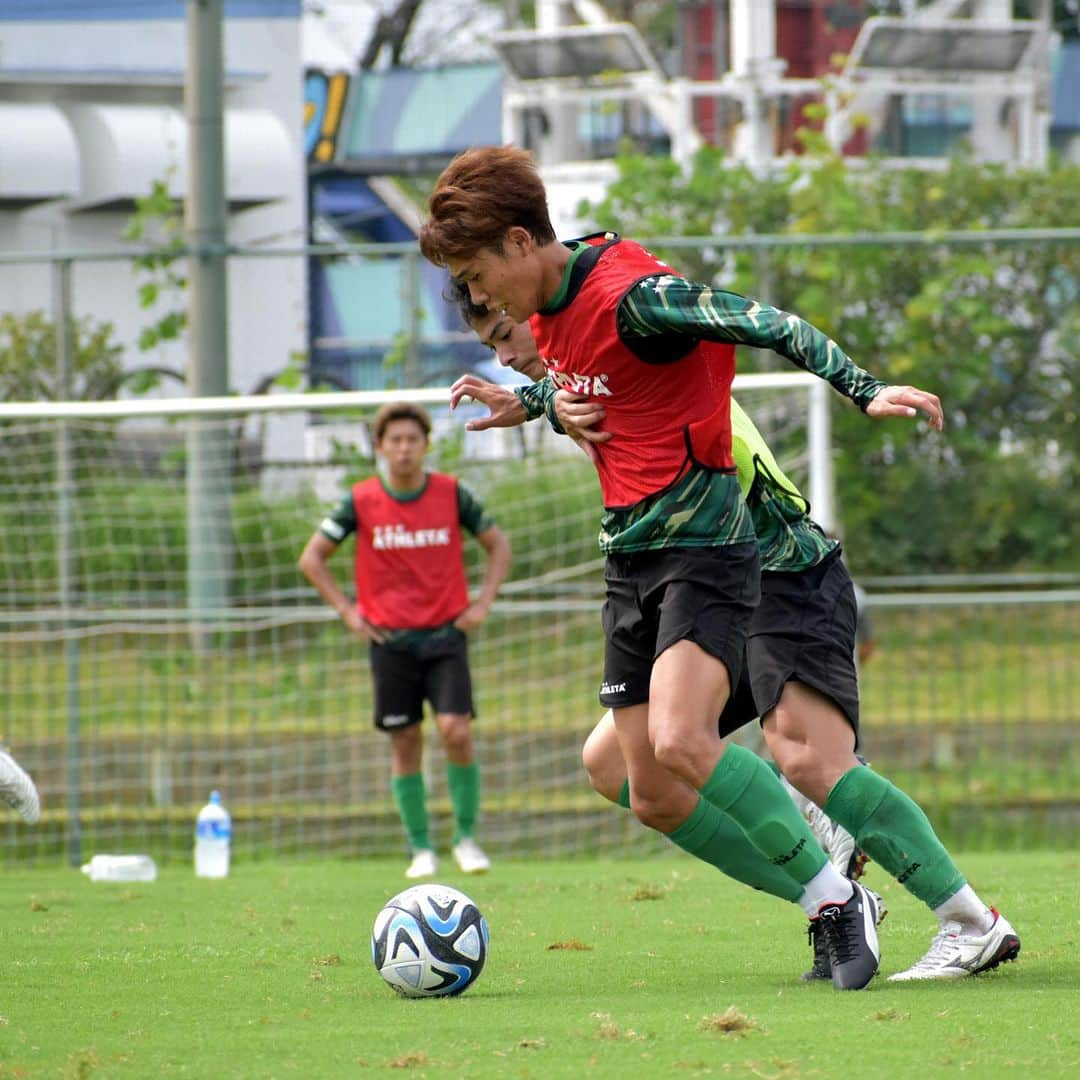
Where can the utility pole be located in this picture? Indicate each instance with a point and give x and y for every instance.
(209, 530)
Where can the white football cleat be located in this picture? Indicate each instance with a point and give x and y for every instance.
(470, 856)
(954, 953)
(424, 864)
(18, 790)
(835, 840)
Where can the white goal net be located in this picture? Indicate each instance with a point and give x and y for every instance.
(158, 641)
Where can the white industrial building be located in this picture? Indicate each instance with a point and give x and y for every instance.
(92, 115)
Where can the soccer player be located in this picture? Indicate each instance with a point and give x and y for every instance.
(18, 790)
(413, 609)
(801, 666)
(682, 570)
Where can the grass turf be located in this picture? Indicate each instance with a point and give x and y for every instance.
(597, 969)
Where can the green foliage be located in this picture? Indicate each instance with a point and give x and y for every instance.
(132, 535)
(28, 359)
(158, 220)
(29, 372)
(992, 328)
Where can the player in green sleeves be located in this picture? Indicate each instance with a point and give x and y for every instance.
(681, 568)
(413, 609)
(804, 678)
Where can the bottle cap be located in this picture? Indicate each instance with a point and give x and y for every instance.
(215, 797)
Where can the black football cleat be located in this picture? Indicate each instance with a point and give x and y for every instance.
(850, 933)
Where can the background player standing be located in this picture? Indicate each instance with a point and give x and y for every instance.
(412, 607)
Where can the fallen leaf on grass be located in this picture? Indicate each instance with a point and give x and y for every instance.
(415, 1059)
(730, 1022)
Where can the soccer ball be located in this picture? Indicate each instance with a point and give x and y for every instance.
(429, 941)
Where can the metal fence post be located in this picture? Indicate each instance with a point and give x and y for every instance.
(65, 551)
(210, 536)
(413, 315)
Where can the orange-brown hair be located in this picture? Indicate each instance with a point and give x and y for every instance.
(400, 410)
(478, 197)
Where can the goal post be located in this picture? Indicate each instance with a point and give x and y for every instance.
(128, 717)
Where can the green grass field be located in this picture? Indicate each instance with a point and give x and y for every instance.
(597, 969)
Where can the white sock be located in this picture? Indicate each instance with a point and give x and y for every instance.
(966, 908)
(827, 886)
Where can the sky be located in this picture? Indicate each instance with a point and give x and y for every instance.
(335, 32)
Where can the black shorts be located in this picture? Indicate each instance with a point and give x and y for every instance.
(657, 598)
(804, 629)
(740, 708)
(404, 675)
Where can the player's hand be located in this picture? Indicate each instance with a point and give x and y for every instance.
(579, 416)
(472, 616)
(364, 630)
(907, 401)
(503, 404)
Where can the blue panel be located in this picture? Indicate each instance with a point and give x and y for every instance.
(405, 112)
(1065, 107)
(356, 209)
(136, 10)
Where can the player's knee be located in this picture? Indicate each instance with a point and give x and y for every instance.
(456, 735)
(407, 750)
(606, 772)
(803, 767)
(654, 812)
(679, 754)
(604, 780)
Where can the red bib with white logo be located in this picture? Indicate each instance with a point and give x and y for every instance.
(661, 416)
(410, 573)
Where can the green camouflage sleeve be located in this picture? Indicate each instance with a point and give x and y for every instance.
(471, 512)
(539, 400)
(341, 521)
(670, 305)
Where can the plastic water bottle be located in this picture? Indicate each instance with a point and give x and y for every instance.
(213, 831)
(120, 868)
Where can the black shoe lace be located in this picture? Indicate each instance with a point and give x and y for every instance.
(815, 936)
(841, 935)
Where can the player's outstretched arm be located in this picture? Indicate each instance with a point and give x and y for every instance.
(505, 408)
(670, 305)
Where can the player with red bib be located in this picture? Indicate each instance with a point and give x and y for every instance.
(615, 324)
(412, 607)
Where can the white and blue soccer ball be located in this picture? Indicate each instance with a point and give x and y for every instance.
(430, 941)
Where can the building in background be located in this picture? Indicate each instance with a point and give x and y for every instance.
(92, 115)
(91, 104)
(579, 84)
(370, 137)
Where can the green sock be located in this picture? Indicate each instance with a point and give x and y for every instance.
(410, 794)
(464, 784)
(730, 851)
(744, 787)
(892, 829)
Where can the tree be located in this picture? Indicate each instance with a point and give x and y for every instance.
(28, 361)
(391, 30)
(993, 328)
